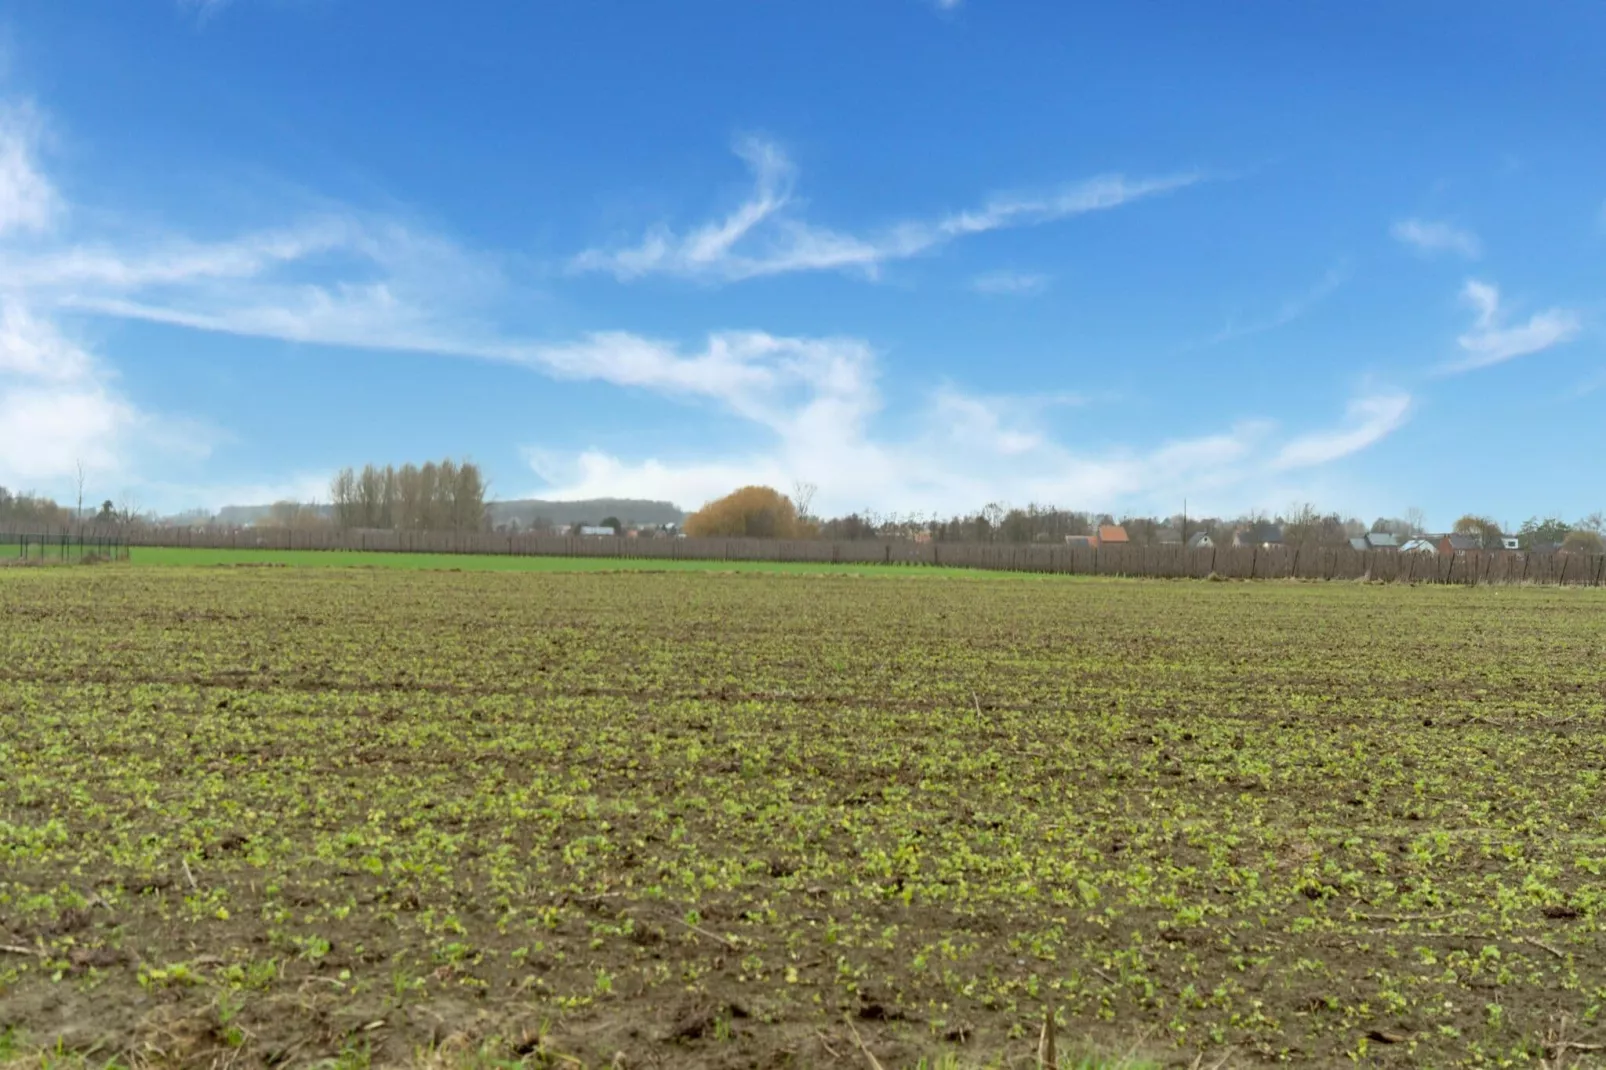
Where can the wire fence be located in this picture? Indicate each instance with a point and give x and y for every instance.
(63, 546)
(1311, 562)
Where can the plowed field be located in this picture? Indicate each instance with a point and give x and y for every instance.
(270, 816)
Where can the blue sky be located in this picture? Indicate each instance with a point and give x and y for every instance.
(922, 254)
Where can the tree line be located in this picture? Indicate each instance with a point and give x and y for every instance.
(451, 496)
(1585, 536)
(763, 512)
(444, 496)
(21, 508)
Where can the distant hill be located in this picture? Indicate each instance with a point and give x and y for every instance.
(628, 510)
(526, 511)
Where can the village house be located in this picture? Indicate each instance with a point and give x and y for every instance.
(1375, 540)
(1455, 543)
(1262, 534)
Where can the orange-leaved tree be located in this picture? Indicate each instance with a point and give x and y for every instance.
(753, 513)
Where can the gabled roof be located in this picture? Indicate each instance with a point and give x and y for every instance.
(1198, 539)
(1463, 542)
(1112, 533)
(1383, 540)
(1423, 546)
(1258, 534)
(1359, 543)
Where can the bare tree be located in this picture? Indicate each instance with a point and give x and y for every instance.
(465, 494)
(803, 493)
(1302, 524)
(992, 515)
(129, 512)
(343, 496)
(78, 513)
(1416, 520)
(432, 497)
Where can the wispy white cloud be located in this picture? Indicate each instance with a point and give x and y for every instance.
(45, 431)
(1491, 342)
(28, 201)
(59, 407)
(35, 349)
(1368, 420)
(333, 279)
(74, 266)
(956, 470)
(1010, 282)
(1091, 195)
(1589, 385)
(1289, 311)
(818, 419)
(1003, 424)
(1429, 237)
(812, 405)
(761, 236)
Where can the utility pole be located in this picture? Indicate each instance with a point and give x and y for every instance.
(1184, 521)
